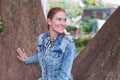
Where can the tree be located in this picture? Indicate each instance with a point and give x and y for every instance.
(93, 3)
(72, 11)
(100, 60)
(23, 21)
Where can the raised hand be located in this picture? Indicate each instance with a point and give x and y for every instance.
(21, 54)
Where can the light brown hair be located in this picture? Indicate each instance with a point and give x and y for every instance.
(53, 11)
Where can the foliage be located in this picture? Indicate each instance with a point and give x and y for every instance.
(78, 42)
(81, 43)
(86, 40)
(72, 8)
(1, 26)
(93, 3)
(86, 25)
(79, 49)
(70, 27)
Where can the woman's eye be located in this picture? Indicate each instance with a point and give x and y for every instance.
(65, 20)
(58, 19)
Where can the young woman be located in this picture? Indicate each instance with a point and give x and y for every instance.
(56, 51)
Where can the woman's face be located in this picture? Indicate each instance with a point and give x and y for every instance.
(58, 22)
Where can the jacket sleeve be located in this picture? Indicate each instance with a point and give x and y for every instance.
(66, 66)
(34, 58)
(31, 59)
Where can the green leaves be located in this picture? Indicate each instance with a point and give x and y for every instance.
(72, 8)
(1, 28)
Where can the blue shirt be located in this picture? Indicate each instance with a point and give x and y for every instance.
(55, 57)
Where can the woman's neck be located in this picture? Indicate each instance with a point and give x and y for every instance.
(53, 35)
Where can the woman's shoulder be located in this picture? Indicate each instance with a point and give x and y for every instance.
(68, 38)
(42, 35)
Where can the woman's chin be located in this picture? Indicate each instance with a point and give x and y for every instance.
(61, 31)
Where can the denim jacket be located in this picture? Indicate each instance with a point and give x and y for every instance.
(55, 59)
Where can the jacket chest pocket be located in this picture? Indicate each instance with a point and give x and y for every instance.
(56, 53)
(55, 56)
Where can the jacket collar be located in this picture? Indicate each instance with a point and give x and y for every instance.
(57, 41)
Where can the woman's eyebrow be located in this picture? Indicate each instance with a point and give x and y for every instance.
(60, 17)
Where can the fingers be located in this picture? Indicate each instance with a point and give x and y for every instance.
(19, 51)
(21, 54)
(19, 58)
(24, 51)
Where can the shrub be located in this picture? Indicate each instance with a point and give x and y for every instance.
(1, 26)
(86, 40)
(70, 27)
(86, 25)
(81, 43)
(78, 42)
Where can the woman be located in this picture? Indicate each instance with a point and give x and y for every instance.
(56, 51)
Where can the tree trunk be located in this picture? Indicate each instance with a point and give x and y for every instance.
(23, 21)
(100, 60)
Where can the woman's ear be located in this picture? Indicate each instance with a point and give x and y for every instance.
(49, 21)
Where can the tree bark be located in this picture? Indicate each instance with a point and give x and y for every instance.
(100, 60)
(23, 21)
